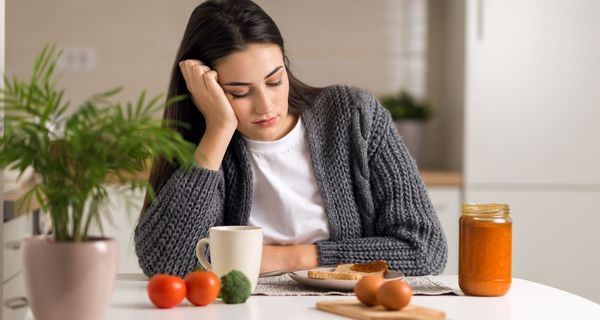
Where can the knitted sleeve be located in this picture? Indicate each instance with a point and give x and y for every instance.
(408, 234)
(165, 237)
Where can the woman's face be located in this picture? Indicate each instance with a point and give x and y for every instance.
(256, 84)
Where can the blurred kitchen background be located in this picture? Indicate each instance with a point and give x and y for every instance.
(514, 86)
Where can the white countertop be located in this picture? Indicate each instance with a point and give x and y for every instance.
(526, 300)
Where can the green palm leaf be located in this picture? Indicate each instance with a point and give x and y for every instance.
(75, 156)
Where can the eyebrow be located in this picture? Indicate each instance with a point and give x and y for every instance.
(248, 83)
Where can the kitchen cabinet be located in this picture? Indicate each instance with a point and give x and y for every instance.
(446, 201)
(14, 304)
(15, 228)
(531, 135)
(555, 237)
(532, 92)
(14, 231)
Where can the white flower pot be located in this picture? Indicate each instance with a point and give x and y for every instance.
(69, 280)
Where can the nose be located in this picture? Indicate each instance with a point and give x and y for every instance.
(262, 105)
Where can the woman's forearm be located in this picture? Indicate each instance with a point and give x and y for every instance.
(414, 255)
(289, 258)
(211, 149)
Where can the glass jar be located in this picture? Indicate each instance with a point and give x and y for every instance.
(485, 249)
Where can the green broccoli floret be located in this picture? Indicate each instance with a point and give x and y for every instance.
(235, 287)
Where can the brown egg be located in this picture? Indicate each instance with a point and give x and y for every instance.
(366, 289)
(394, 295)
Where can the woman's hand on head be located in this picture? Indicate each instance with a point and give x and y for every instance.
(208, 96)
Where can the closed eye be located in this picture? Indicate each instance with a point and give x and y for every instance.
(275, 84)
(270, 84)
(239, 96)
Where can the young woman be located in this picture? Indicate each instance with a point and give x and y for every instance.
(321, 170)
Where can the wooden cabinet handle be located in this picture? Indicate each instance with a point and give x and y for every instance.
(16, 303)
(12, 245)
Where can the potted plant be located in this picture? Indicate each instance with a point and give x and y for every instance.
(409, 116)
(70, 274)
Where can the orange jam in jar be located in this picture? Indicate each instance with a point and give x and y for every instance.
(485, 250)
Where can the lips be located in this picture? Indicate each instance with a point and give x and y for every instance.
(266, 122)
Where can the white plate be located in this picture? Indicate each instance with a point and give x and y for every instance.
(341, 285)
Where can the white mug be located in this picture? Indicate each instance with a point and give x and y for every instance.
(233, 247)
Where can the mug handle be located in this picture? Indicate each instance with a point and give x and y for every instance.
(200, 254)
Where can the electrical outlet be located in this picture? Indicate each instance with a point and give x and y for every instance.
(77, 59)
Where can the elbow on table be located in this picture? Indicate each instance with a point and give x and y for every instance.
(148, 259)
(152, 267)
(146, 264)
(431, 258)
(153, 261)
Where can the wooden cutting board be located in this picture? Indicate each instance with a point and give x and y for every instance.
(356, 310)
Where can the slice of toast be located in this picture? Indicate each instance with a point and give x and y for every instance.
(351, 271)
(333, 275)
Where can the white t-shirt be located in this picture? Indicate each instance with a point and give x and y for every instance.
(286, 203)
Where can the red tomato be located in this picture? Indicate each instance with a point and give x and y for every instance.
(202, 287)
(166, 291)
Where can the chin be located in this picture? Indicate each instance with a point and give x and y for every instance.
(267, 135)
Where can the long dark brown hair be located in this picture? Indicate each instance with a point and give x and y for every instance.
(216, 29)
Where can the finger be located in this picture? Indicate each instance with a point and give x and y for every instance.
(211, 81)
(198, 70)
(194, 61)
(185, 67)
(183, 70)
(191, 63)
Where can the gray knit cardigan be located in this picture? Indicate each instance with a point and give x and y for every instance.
(375, 201)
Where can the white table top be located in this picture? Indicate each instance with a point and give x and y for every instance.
(525, 300)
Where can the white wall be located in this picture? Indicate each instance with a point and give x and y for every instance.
(377, 45)
(134, 41)
(445, 87)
